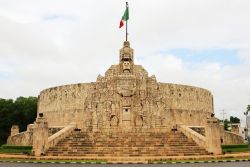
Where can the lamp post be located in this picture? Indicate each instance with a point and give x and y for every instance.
(246, 127)
(223, 113)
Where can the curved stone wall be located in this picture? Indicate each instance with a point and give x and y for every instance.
(182, 104)
(183, 97)
(64, 104)
(187, 105)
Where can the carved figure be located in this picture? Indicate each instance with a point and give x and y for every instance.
(139, 120)
(126, 66)
(113, 121)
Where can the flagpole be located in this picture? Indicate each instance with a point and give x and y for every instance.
(126, 24)
(126, 31)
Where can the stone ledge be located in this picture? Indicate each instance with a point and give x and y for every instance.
(127, 162)
(240, 157)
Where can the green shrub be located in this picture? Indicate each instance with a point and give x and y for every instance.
(235, 146)
(15, 149)
(8, 151)
(12, 147)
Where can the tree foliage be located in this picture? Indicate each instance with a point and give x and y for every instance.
(248, 108)
(226, 124)
(20, 112)
(234, 120)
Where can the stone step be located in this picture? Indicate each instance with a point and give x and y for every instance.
(126, 144)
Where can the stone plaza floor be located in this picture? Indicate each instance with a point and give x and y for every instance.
(221, 164)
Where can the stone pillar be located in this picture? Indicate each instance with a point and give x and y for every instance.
(235, 129)
(30, 127)
(14, 130)
(40, 135)
(212, 133)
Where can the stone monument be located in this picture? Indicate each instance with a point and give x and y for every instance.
(125, 103)
(126, 98)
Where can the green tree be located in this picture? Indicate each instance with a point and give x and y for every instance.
(234, 119)
(248, 109)
(5, 107)
(20, 112)
(226, 124)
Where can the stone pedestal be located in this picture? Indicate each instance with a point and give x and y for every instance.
(40, 136)
(212, 133)
(14, 130)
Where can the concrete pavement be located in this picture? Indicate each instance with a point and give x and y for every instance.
(133, 159)
(226, 164)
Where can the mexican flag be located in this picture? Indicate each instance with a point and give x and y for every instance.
(125, 16)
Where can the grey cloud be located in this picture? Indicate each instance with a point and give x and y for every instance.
(38, 54)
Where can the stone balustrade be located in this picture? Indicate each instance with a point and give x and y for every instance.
(229, 138)
(55, 138)
(198, 138)
(21, 139)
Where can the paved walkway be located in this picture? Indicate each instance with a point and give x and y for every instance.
(231, 164)
(132, 159)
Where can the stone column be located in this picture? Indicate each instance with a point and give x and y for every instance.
(212, 133)
(235, 129)
(40, 135)
(14, 130)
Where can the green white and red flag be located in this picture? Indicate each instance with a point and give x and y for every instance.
(125, 16)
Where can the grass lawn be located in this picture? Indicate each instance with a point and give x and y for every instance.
(56, 161)
(15, 149)
(235, 148)
(200, 160)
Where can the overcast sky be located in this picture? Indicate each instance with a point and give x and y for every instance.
(204, 43)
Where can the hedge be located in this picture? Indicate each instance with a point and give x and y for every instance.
(13, 147)
(235, 146)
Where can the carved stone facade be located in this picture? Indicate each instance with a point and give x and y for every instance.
(126, 99)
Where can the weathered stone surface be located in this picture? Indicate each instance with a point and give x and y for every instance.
(212, 133)
(194, 135)
(14, 130)
(40, 136)
(125, 104)
(126, 144)
(228, 138)
(64, 104)
(21, 139)
(125, 98)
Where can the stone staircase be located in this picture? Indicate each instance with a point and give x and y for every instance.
(126, 144)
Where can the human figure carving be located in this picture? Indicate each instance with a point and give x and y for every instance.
(113, 121)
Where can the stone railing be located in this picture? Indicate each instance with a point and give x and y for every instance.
(55, 129)
(230, 138)
(198, 138)
(55, 138)
(21, 139)
(198, 129)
